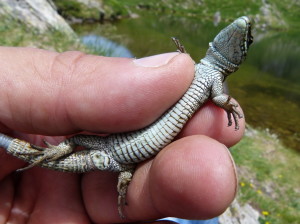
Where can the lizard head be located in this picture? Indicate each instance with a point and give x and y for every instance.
(231, 45)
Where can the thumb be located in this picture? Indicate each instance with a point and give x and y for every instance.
(53, 93)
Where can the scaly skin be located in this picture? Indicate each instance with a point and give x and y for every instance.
(121, 152)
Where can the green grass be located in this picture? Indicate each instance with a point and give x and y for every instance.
(269, 177)
(73, 9)
(281, 12)
(16, 33)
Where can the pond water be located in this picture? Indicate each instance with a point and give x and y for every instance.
(267, 85)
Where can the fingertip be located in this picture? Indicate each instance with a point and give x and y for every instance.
(193, 178)
(212, 121)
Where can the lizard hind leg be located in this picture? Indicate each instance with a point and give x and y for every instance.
(49, 153)
(124, 180)
(180, 47)
(224, 101)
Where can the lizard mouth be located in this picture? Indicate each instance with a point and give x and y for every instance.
(248, 36)
(249, 39)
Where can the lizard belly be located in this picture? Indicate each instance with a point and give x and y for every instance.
(137, 146)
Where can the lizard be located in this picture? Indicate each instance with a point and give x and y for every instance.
(121, 152)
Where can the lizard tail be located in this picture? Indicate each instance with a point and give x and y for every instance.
(5, 141)
(78, 162)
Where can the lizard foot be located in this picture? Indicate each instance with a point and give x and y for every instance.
(180, 47)
(124, 180)
(49, 153)
(224, 101)
(231, 109)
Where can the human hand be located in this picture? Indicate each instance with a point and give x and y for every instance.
(46, 93)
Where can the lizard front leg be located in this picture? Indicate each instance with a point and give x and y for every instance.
(224, 101)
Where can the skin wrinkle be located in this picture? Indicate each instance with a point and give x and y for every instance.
(24, 200)
(9, 106)
(104, 200)
(62, 79)
(53, 194)
(38, 114)
(5, 100)
(84, 84)
(59, 88)
(28, 114)
(69, 70)
(61, 112)
(6, 198)
(151, 198)
(140, 191)
(13, 103)
(16, 212)
(31, 118)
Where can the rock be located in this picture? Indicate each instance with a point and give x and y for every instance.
(269, 16)
(92, 4)
(237, 214)
(40, 14)
(217, 18)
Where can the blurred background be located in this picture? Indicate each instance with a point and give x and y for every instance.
(267, 86)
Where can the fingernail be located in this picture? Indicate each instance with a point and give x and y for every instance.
(234, 168)
(156, 60)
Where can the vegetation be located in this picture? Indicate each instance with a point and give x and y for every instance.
(15, 33)
(278, 14)
(269, 177)
(74, 9)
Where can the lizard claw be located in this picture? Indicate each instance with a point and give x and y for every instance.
(49, 153)
(235, 114)
(180, 47)
(231, 109)
(225, 102)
